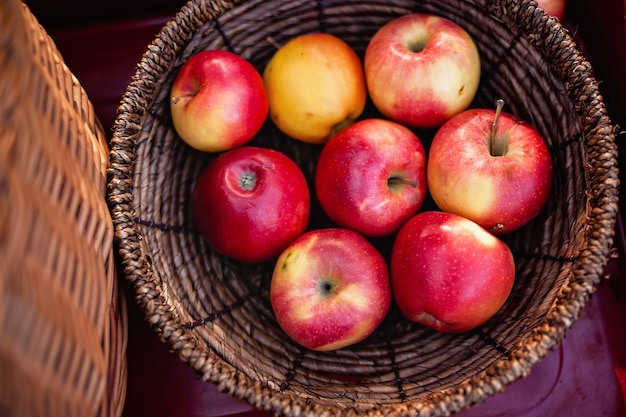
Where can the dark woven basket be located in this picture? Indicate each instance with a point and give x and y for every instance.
(215, 313)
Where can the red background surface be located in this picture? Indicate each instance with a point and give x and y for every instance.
(585, 376)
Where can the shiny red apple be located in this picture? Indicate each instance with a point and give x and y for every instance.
(371, 176)
(330, 289)
(250, 203)
(448, 273)
(491, 167)
(217, 101)
(421, 69)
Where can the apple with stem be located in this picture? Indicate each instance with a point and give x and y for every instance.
(491, 167)
(371, 176)
(448, 273)
(217, 101)
(330, 289)
(421, 69)
(250, 203)
(315, 87)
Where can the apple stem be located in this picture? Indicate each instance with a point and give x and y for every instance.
(176, 99)
(393, 181)
(494, 127)
(272, 42)
(248, 180)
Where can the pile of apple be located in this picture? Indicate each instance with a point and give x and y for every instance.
(488, 172)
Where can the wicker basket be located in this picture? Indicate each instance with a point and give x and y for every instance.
(62, 321)
(215, 313)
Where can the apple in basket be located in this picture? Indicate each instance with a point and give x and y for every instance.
(250, 203)
(330, 289)
(421, 69)
(553, 7)
(448, 273)
(315, 87)
(371, 176)
(491, 167)
(217, 101)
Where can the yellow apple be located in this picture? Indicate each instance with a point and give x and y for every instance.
(315, 87)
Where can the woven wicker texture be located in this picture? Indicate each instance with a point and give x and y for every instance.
(215, 314)
(62, 320)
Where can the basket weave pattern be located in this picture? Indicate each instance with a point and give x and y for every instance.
(215, 313)
(62, 322)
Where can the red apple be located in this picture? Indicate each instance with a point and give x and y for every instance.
(250, 203)
(330, 289)
(421, 69)
(371, 176)
(448, 273)
(217, 101)
(553, 7)
(490, 167)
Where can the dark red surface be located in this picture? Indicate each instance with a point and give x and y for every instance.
(584, 376)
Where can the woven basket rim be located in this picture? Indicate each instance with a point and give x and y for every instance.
(575, 295)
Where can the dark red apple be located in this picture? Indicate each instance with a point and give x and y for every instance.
(250, 203)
